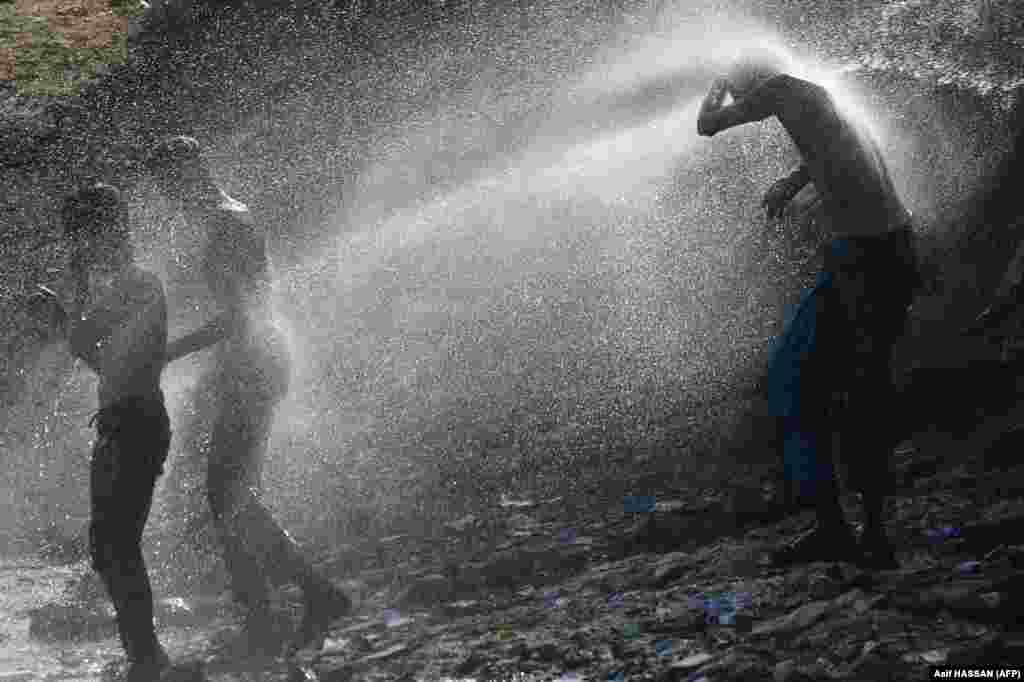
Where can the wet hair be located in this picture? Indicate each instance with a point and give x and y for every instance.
(756, 65)
(95, 210)
(173, 152)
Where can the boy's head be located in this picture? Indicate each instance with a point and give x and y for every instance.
(176, 164)
(753, 67)
(95, 220)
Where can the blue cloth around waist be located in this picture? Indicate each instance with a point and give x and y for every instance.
(790, 350)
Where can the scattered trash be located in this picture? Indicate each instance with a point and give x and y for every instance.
(969, 567)
(640, 504)
(553, 601)
(392, 618)
(937, 535)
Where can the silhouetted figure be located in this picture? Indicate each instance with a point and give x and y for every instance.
(247, 379)
(841, 339)
(115, 321)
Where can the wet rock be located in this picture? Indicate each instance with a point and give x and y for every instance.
(979, 538)
(336, 673)
(471, 664)
(547, 652)
(18, 676)
(787, 671)
(430, 590)
(389, 653)
(667, 531)
(692, 662)
(802, 618)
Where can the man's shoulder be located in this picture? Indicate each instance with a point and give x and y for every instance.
(787, 86)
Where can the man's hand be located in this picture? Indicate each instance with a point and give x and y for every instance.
(712, 104)
(782, 191)
(776, 198)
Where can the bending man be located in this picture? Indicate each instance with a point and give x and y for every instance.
(859, 308)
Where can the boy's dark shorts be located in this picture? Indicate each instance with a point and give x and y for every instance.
(132, 442)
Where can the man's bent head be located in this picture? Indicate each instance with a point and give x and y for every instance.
(753, 67)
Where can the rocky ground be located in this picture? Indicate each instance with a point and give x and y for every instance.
(660, 589)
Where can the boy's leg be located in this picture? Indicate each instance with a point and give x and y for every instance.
(121, 496)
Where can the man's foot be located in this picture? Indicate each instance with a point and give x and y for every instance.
(322, 608)
(822, 543)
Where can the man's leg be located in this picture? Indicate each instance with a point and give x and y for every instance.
(229, 474)
(121, 486)
(809, 446)
(879, 310)
(257, 550)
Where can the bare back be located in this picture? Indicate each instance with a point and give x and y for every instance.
(844, 161)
